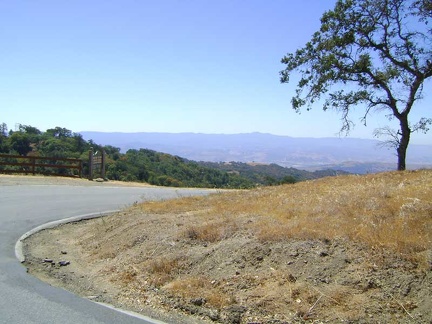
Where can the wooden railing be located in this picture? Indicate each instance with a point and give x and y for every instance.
(40, 165)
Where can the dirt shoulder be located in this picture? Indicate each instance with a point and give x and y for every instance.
(235, 281)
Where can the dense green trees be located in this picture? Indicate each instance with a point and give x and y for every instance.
(269, 174)
(166, 170)
(57, 142)
(135, 165)
(374, 55)
(19, 142)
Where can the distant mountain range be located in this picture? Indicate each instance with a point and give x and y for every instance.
(348, 154)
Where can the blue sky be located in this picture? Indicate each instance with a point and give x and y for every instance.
(161, 66)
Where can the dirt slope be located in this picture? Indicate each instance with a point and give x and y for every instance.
(202, 260)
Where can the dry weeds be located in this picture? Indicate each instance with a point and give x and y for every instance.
(389, 210)
(348, 248)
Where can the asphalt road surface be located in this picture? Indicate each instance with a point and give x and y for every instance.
(25, 205)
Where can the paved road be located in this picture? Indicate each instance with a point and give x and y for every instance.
(25, 299)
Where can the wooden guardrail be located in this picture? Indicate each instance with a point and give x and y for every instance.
(40, 165)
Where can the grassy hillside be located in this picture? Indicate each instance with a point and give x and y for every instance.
(354, 249)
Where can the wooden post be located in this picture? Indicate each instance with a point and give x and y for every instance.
(33, 164)
(80, 168)
(103, 164)
(90, 164)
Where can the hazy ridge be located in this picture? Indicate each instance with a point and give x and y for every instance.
(350, 154)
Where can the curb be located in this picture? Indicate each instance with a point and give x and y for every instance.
(21, 257)
(19, 244)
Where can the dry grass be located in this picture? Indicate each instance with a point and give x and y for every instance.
(199, 287)
(212, 231)
(390, 210)
(340, 249)
(163, 270)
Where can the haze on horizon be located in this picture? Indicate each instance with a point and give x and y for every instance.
(163, 66)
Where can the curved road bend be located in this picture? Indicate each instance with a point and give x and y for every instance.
(25, 299)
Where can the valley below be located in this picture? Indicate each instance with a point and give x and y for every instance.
(352, 155)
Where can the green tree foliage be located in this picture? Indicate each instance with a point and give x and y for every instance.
(56, 147)
(375, 54)
(59, 132)
(166, 170)
(269, 174)
(20, 142)
(3, 130)
(61, 142)
(57, 143)
(31, 130)
(4, 144)
(145, 165)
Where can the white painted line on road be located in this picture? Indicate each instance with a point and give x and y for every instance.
(130, 313)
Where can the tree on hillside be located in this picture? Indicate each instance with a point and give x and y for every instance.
(4, 143)
(374, 54)
(20, 143)
(31, 130)
(59, 132)
(3, 130)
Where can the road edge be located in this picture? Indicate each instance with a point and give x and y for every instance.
(19, 254)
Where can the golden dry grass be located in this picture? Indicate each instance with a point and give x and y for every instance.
(189, 287)
(390, 210)
(262, 248)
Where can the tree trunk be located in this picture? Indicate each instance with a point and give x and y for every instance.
(403, 144)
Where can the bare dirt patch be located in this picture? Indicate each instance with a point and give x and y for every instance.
(346, 249)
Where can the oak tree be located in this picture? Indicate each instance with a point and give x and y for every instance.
(368, 54)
